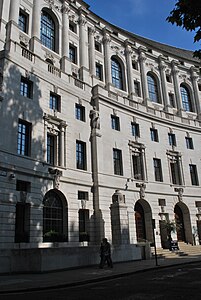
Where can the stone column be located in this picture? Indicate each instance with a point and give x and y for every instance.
(175, 72)
(83, 48)
(14, 10)
(12, 31)
(162, 68)
(65, 38)
(36, 19)
(62, 144)
(98, 233)
(106, 45)
(92, 68)
(128, 52)
(194, 79)
(35, 33)
(142, 58)
(119, 220)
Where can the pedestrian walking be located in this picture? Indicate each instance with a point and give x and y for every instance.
(105, 254)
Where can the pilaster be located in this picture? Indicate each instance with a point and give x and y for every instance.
(142, 58)
(83, 47)
(129, 52)
(106, 45)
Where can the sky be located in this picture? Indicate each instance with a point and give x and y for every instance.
(146, 18)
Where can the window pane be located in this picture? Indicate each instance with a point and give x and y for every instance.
(47, 31)
(152, 88)
(185, 96)
(116, 74)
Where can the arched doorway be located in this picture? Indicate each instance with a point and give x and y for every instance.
(140, 223)
(143, 221)
(55, 215)
(183, 224)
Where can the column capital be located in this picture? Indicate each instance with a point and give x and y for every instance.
(92, 30)
(65, 9)
(82, 20)
(106, 39)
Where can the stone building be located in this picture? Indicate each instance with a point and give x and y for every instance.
(100, 136)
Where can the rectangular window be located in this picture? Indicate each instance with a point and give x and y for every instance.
(172, 139)
(115, 124)
(24, 138)
(80, 112)
(51, 148)
(171, 100)
(55, 101)
(73, 54)
(23, 21)
(22, 222)
(137, 88)
(138, 166)
(81, 155)
(168, 78)
(189, 143)
(83, 195)
(83, 225)
(117, 159)
(72, 27)
(194, 175)
(23, 186)
(26, 87)
(98, 46)
(99, 71)
(154, 134)
(134, 65)
(135, 128)
(175, 171)
(157, 169)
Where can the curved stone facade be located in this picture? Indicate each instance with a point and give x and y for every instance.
(100, 131)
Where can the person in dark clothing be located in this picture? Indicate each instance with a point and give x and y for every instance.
(105, 254)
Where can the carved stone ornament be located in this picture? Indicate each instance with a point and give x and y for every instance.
(180, 193)
(24, 39)
(65, 9)
(49, 56)
(117, 50)
(142, 187)
(95, 119)
(52, 5)
(118, 197)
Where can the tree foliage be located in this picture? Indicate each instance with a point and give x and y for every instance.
(187, 14)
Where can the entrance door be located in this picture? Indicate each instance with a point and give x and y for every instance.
(140, 222)
(179, 224)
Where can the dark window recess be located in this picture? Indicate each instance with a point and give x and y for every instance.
(98, 46)
(24, 138)
(55, 102)
(22, 222)
(115, 123)
(194, 174)
(23, 186)
(51, 141)
(99, 71)
(83, 195)
(135, 128)
(172, 139)
(23, 21)
(73, 54)
(158, 170)
(72, 27)
(154, 134)
(189, 143)
(26, 87)
(80, 112)
(81, 161)
(117, 160)
(137, 88)
(83, 225)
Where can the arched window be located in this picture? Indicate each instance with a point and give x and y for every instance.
(53, 218)
(152, 88)
(116, 71)
(47, 31)
(185, 96)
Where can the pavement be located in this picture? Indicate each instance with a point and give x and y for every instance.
(14, 283)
